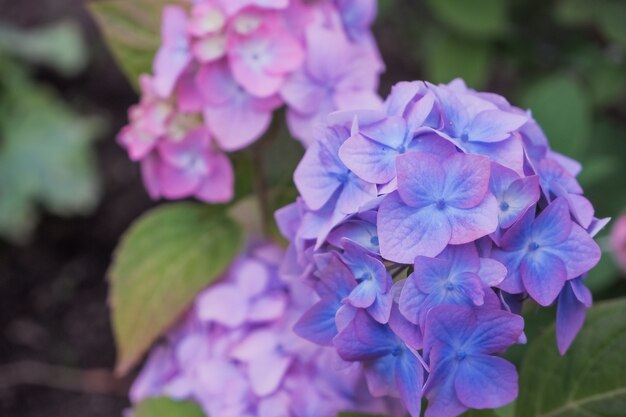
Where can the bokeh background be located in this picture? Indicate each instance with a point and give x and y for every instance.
(68, 192)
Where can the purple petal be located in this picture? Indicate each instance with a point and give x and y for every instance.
(495, 125)
(218, 186)
(496, 330)
(553, 225)
(519, 197)
(368, 159)
(355, 194)
(411, 300)
(579, 252)
(509, 152)
(315, 175)
(176, 182)
(420, 178)
(471, 224)
(317, 324)
(405, 232)
(491, 272)
(430, 273)
(409, 375)
(486, 382)
(364, 294)
(408, 332)
(364, 339)
(467, 180)
(570, 317)
(440, 391)
(301, 93)
(222, 304)
(266, 373)
(381, 308)
(543, 275)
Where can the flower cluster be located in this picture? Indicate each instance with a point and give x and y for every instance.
(235, 352)
(618, 242)
(224, 66)
(422, 227)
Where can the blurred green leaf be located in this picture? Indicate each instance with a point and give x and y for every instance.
(132, 30)
(480, 18)
(597, 169)
(480, 413)
(604, 275)
(589, 380)
(59, 46)
(562, 108)
(167, 407)
(451, 57)
(164, 259)
(612, 20)
(575, 12)
(46, 155)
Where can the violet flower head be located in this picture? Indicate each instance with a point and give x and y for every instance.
(235, 353)
(422, 226)
(228, 65)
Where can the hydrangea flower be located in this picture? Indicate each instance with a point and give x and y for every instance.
(234, 352)
(227, 65)
(618, 242)
(448, 208)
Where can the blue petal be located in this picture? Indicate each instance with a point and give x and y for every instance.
(484, 381)
(570, 316)
(318, 323)
(409, 376)
(364, 339)
(543, 275)
(406, 232)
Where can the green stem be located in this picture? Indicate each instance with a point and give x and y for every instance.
(261, 188)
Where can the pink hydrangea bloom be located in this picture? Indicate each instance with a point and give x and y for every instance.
(227, 65)
(618, 242)
(235, 352)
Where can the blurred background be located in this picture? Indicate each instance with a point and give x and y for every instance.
(68, 192)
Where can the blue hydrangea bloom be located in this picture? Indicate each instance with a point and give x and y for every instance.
(423, 226)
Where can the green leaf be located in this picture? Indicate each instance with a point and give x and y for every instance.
(59, 46)
(575, 12)
(480, 413)
(451, 57)
(479, 18)
(132, 30)
(47, 155)
(603, 275)
(167, 407)
(612, 20)
(561, 107)
(589, 381)
(166, 257)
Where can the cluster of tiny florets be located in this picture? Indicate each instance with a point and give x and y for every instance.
(225, 66)
(423, 227)
(235, 353)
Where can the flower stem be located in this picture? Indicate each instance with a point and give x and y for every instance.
(261, 188)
